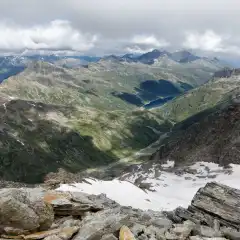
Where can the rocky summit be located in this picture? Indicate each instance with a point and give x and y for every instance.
(39, 213)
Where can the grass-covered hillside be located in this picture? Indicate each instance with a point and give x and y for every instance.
(38, 138)
(102, 84)
(54, 117)
(220, 88)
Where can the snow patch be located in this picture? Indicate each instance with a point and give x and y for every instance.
(168, 164)
(168, 191)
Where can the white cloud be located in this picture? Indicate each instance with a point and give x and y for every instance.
(57, 34)
(137, 49)
(144, 43)
(149, 40)
(210, 41)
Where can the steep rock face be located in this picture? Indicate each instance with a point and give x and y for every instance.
(211, 136)
(215, 205)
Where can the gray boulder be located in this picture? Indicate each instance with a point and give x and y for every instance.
(22, 209)
(206, 231)
(101, 223)
(17, 214)
(230, 233)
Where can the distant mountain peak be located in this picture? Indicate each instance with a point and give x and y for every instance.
(149, 57)
(183, 56)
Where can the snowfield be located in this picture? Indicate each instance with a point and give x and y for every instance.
(167, 191)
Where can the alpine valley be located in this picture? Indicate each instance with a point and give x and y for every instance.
(82, 113)
(128, 147)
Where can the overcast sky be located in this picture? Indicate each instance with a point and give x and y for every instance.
(118, 26)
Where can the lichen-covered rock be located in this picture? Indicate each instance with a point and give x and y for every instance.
(161, 222)
(126, 234)
(230, 233)
(150, 232)
(76, 204)
(45, 213)
(182, 231)
(14, 213)
(206, 231)
(101, 223)
(206, 238)
(25, 209)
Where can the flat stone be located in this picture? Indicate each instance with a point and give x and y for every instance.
(44, 234)
(74, 204)
(214, 238)
(161, 223)
(109, 237)
(52, 237)
(195, 238)
(15, 231)
(67, 233)
(189, 223)
(231, 233)
(11, 237)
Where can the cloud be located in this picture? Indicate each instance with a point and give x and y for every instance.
(149, 40)
(210, 41)
(137, 49)
(144, 43)
(57, 34)
(125, 24)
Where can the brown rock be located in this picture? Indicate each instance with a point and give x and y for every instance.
(126, 234)
(45, 213)
(11, 237)
(44, 234)
(15, 231)
(68, 232)
(75, 204)
(63, 233)
(109, 237)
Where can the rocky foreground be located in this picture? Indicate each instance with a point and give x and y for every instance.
(37, 213)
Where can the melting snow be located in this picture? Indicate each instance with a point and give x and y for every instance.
(168, 164)
(170, 190)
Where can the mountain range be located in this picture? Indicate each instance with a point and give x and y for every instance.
(98, 112)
